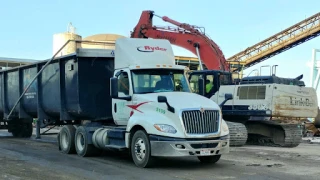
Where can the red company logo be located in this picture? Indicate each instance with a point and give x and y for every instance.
(150, 49)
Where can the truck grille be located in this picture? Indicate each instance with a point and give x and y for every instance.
(196, 122)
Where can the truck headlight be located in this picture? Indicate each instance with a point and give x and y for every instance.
(165, 128)
(224, 126)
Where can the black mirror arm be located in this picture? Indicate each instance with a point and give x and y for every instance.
(163, 99)
(170, 108)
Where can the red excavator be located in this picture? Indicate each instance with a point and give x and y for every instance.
(186, 36)
(263, 107)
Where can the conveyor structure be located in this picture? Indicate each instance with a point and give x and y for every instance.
(280, 42)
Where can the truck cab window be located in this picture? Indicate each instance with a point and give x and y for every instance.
(165, 82)
(162, 80)
(123, 84)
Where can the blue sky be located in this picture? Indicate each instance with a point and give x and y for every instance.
(27, 27)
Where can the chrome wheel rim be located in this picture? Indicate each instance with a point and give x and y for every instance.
(64, 140)
(140, 149)
(80, 142)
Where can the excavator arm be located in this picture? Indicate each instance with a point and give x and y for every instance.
(185, 36)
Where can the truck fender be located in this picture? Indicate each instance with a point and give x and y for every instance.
(135, 124)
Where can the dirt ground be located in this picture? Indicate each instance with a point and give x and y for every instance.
(40, 159)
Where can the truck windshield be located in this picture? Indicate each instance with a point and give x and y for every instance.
(160, 80)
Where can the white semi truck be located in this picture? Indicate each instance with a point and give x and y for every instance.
(111, 99)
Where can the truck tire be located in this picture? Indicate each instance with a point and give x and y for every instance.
(209, 159)
(141, 149)
(66, 139)
(81, 144)
(22, 130)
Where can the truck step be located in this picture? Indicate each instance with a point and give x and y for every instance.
(117, 133)
(121, 148)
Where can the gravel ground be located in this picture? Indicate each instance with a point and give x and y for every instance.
(34, 159)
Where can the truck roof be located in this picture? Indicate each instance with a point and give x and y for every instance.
(131, 52)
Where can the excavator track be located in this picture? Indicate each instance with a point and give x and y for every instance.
(238, 133)
(291, 136)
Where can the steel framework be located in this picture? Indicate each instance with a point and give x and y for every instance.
(315, 69)
(280, 42)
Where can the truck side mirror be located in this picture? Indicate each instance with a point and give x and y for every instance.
(201, 86)
(162, 99)
(114, 87)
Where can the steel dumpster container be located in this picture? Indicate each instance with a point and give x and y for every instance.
(72, 87)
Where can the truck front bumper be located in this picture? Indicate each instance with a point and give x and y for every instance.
(175, 147)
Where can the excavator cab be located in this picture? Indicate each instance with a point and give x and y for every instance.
(212, 78)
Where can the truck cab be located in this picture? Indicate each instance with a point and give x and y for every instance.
(152, 98)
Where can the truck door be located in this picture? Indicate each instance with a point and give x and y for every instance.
(120, 108)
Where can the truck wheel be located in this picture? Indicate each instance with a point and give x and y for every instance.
(22, 130)
(81, 143)
(209, 159)
(66, 139)
(141, 149)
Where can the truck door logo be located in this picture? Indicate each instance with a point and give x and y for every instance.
(150, 49)
(135, 107)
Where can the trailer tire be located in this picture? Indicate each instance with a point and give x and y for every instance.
(81, 144)
(66, 139)
(209, 159)
(140, 141)
(22, 130)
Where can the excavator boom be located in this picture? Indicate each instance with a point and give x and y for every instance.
(185, 36)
